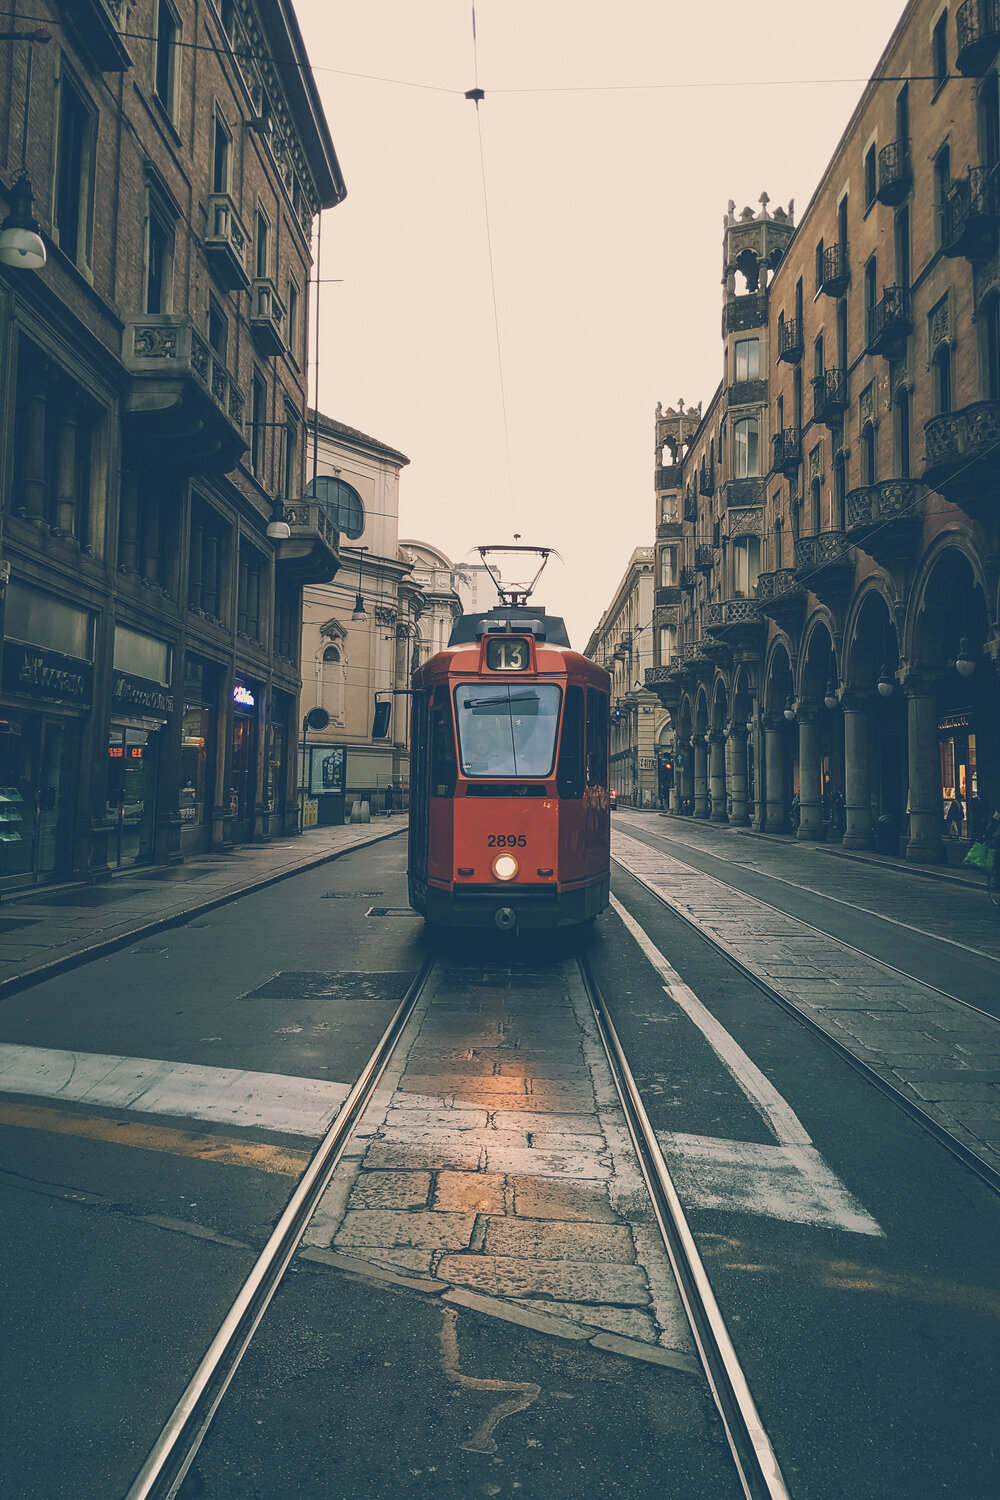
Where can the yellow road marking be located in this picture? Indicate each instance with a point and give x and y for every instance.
(228, 1150)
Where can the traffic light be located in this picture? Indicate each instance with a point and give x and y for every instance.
(380, 719)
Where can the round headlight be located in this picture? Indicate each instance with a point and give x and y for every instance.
(505, 867)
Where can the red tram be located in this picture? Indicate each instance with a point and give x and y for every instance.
(509, 809)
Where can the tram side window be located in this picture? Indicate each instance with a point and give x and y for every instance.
(444, 762)
(570, 771)
(597, 739)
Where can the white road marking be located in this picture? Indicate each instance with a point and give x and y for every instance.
(789, 1181)
(228, 1096)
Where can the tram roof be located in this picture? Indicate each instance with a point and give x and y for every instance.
(503, 619)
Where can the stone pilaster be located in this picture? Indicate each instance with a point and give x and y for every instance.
(699, 751)
(924, 843)
(857, 774)
(810, 789)
(717, 775)
(775, 813)
(736, 741)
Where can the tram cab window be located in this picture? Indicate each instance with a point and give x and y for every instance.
(570, 777)
(444, 768)
(507, 729)
(597, 738)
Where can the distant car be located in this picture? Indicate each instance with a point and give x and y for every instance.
(613, 795)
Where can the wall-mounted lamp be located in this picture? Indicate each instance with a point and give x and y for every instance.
(830, 696)
(278, 529)
(21, 243)
(789, 709)
(965, 663)
(884, 684)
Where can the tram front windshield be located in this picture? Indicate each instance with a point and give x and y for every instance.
(507, 729)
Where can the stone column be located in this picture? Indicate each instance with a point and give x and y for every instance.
(926, 806)
(151, 537)
(128, 526)
(810, 788)
(857, 772)
(775, 814)
(699, 751)
(717, 776)
(737, 743)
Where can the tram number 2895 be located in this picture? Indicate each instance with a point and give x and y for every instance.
(506, 841)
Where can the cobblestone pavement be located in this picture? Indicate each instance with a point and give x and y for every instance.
(942, 1055)
(496, 1159)
(45, 930)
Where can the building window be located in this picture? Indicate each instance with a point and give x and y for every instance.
(341, 502)
(815, 506)
(747, 360)
(250, 593)
(942, 185)
(292, 319)
(871, 297)
(165, 56)
(291, 454)
(839, 491)
(869, 462)
(56, 447)
(903, 115)
(939, 50)
(746, 566)
(206, 561)
(159, 256)
(74, 176)
(941, 380)
(819, 265)
(901, 433)
(989, 322)
(902, 248)
(871, 177)
(668, 507)
(262, 244)
(668, 568)
(258, 421)
(218, 329)
(221, 156)
(668, 643)
(746, 456)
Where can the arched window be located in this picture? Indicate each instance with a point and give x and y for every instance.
(332, 684)
(746, 454)
(746, 566)
(941, 379)
(869, 461)
(342, 504)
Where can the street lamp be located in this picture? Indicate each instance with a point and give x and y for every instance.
(278, 529)
(360, 613)
(884, 684)
(964, 663)
(21, 243)
(789, 709)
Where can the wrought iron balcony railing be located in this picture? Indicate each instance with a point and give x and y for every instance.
(836, 270)
(706, 480)
(895, 175)
(787, 447)
(971, 215)
(890, 323)
(704, 557)
(830, 396)
(790, 344)
(746, 312)
(978, 23)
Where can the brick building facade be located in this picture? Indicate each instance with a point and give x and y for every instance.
(152, 416)
(828, 530)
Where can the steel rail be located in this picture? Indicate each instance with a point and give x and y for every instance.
(969, 1158)
(174, 1451)
(756, 1463)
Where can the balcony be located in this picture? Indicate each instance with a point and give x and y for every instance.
(664, 681)
(963, 456)
(830, 397)
(669, 531)
(787, 447)
(706, 481)
(267, 317)
(790, 342)
(895, 175)
(970, 216)
(884, 520)
(836, 270)
(824, 564)
(704, 557)
(736, 622)
(745, 312)
(227, 244)
(781, 597)
(747, 393)
(183, 408)
(688, 579)
(668, 477)
(311, 554)
(890, 323)
(98, 26)
(740, 493)
(978, 36)
(667, 596)
(690, 505)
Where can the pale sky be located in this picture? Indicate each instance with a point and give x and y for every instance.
(606, 199)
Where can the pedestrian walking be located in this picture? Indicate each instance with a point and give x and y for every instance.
(955, 817)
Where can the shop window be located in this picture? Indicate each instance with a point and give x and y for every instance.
(197, 728)
(276, 753)
(251, 589)
(76, 133)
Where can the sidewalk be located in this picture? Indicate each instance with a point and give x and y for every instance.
(44, 932)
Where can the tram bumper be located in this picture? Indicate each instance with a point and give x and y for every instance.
(522, 907)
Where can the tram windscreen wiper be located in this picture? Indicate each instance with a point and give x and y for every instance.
(504, 731)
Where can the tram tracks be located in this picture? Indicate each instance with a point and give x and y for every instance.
(177, 1446)
(984, 1170)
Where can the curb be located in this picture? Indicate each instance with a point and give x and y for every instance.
(17, 982)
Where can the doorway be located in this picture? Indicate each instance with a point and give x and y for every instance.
(131, 794)
(243, 783)
(35, 798)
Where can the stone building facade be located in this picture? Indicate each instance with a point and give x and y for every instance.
(641, 735)
(152, 409)
(828, 531)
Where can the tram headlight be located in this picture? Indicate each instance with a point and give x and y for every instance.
(505, 867)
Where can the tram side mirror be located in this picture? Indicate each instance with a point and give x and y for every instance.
(380, 719)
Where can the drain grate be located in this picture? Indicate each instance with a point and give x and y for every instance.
(350, 895)
(390, 911)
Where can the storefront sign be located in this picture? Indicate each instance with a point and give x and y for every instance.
(138, 692)
(646, 763)
(34, 673)
(243, 697)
